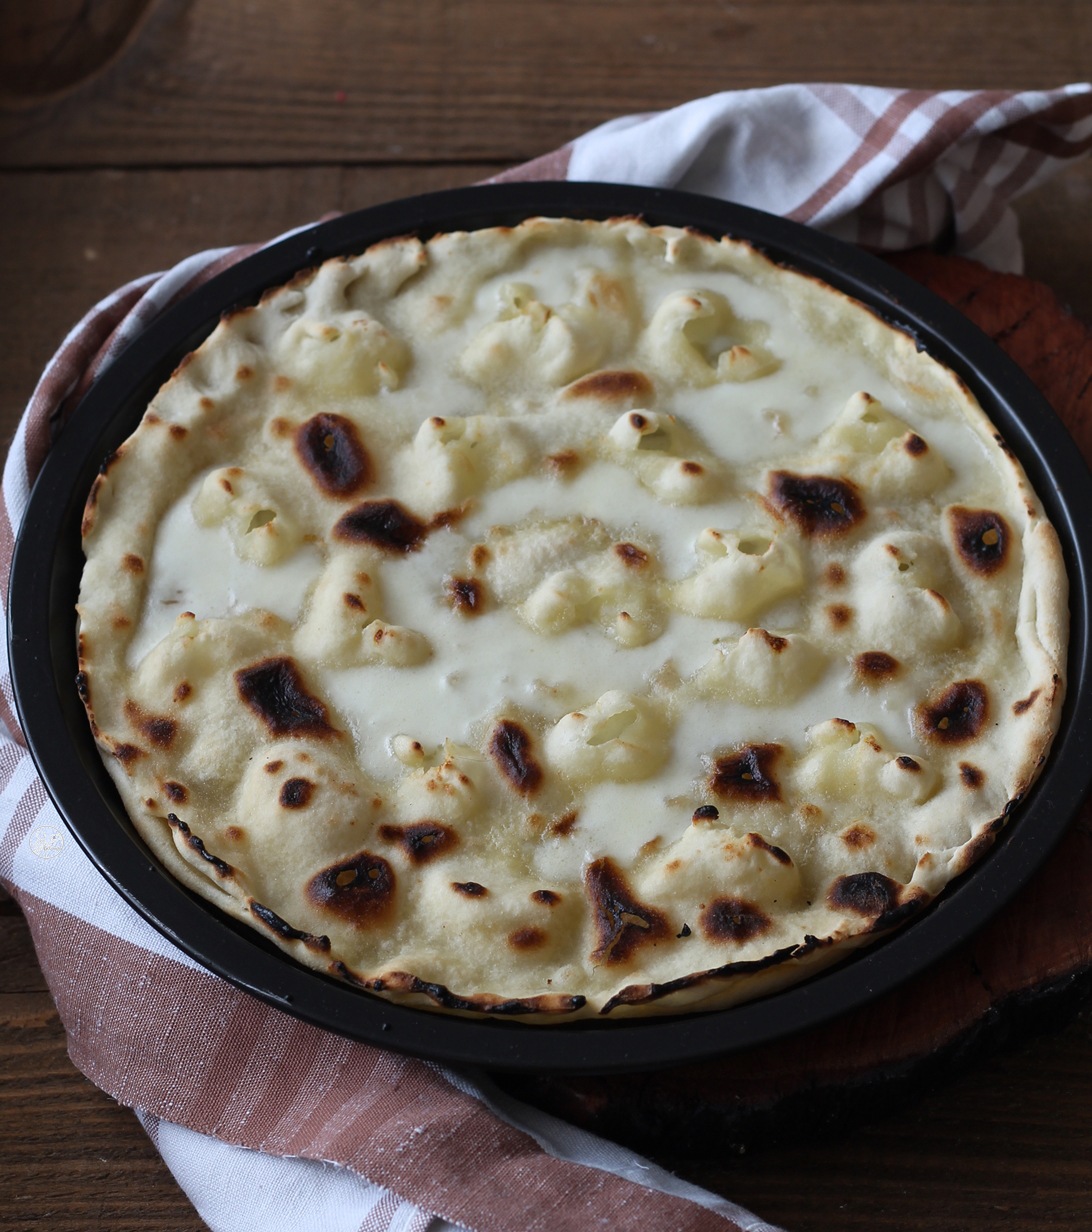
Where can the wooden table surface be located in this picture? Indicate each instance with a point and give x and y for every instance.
(133, 132)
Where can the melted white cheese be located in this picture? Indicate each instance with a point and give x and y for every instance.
(196, 569)
(482, 664)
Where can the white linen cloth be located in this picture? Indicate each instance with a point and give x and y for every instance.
(890, 169)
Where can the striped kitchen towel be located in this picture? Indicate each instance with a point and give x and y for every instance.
(269, 1123)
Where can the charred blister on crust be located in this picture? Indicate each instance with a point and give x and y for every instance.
(88, 519)
(775, 643)
(734, 919)
(875, 667)
(296, 793)
(182, 691)
(631, 555)
(914, 445)
(644, 994)
(908, 764)
(510, 747)
(564, 825)
(957, 716)
(821, 506)
(973, 851)
(127, 753)
(421, 841)
(469, 889)
(274, 690)
(611, 386)
(760, 844)
(360, 890)
(971, 776)
(859, 836)
(175, 792)
(547, 898)
(285, 930)
(158, 728)
(528, 938)
(466, 595)
(383, 524)
(867, 894)
(1025, 703)
(747, 774)
(911, 902)
(834, 574)
(564, 462)
(1003, 445)
(83, 688)
(839, 615)
(482, 1003)
(222, 867)
(622, 922)
(132, 563)
(706, 812)
(982, 539)
(330, 448)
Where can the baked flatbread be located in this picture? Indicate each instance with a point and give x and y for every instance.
(575, 619)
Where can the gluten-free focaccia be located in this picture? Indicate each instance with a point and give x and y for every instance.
(573, 619)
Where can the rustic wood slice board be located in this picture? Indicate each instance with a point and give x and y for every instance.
(1028, 968)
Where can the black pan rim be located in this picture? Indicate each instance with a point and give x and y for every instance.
(42, 653)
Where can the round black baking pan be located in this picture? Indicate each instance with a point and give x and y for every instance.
(48, 562)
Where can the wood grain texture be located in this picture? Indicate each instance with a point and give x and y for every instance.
(127, 223)
(51, 46)
(209, 127)
(83, 233)
(990, 1152)
(72, 1158)
(304, 81)
(1006, 1144)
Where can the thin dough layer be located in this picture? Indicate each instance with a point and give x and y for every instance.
(574, 619)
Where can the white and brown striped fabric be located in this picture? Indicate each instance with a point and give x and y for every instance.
(888, 169)
(269, 1123)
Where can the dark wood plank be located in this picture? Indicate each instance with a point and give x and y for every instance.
(46, 48)
(82, 234)
(73, 1159)
(216, 81)
(1007, 1146)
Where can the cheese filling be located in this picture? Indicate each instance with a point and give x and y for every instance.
(640, 570)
